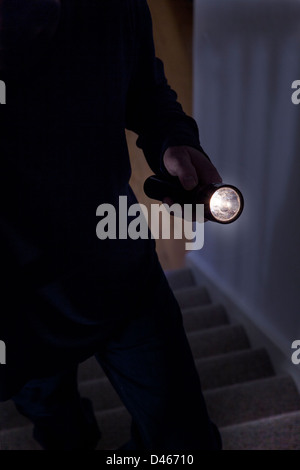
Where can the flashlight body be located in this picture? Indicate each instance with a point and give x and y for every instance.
(159, 188)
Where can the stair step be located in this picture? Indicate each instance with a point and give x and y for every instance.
(10, 417)
(252, 400)
(18, 439)
(207, 316)
(114, 425)
(90, 370)
(211, 342)
(180, 278)
(226, 405)
(235, 367)
(192, 297)
(220, 340)
(216, 371)
(100, 391)
(115, 428)
(281, 432)
(102, 394)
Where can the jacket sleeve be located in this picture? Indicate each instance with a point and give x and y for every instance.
(152, 110)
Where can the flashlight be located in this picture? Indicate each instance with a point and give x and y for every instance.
(223, 203)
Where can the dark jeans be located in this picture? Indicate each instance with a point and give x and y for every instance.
(150, 365)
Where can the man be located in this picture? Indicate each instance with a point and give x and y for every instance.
(77, 73)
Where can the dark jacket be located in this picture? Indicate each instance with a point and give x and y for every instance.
(63, 153)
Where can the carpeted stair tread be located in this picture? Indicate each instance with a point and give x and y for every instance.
(250, 365)
(208, 342)
(102, 394)
(235, 367)
(220, 340)
(192, 297)
(114, 425)
(227, 405)
(99, 390)
(180, 278)
(89, 370)
(241, 366)
(252, 400)
(207, 316)
(115, 428)
(18, 439)
(280, 432)
(9, 416)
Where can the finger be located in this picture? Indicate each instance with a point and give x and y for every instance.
(207, 172)
(182, 167)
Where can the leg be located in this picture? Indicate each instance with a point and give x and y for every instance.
(62, 420)
(151, 367)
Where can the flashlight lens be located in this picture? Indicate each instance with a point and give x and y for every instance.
(225, 204)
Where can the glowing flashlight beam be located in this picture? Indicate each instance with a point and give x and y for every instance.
(225, 204)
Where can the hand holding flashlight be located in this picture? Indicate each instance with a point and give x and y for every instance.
(191, 167)
(222, 203)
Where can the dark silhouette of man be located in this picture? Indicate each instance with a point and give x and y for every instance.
(77, 73)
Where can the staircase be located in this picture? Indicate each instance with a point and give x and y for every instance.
(253, 407)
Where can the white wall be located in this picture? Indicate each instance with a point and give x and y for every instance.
(246, 56)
